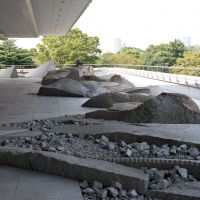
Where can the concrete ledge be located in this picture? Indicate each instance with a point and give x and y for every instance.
(192, 166)
(186, 191)
(76, 168)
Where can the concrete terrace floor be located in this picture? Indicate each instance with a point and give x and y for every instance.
(20, 184)
(18, 104)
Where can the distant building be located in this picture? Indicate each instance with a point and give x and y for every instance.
(119, 44)
(187, 41)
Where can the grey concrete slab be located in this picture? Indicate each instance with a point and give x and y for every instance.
(182, 191)
(76, 168)
(183, 133)
(5, 130)
(18, 104)
(20, 184)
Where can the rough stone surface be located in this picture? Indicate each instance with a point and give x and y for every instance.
(64, 87)
(167, 108)
(108, 99)
(55, 75)
(56, 83)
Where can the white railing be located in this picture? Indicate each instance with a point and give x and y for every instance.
(180, 75)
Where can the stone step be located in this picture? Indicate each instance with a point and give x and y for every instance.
(76, 168)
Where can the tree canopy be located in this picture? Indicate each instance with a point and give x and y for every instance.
(67, 49)
(10, 54)
(164, 54)
(127, 55)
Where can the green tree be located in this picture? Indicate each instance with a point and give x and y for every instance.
(67, 49)
(164, 54)
(156, 55)
(135, 52)
(10, 54)
(176, 50)
(127, 55)
(191, 59)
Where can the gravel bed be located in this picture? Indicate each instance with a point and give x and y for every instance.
(101, 148)
(96, 191)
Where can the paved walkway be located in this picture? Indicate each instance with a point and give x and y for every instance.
(17, 104)
(19, 184)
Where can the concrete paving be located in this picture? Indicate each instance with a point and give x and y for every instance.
(18, 104)
(19, 184)
(182, 133)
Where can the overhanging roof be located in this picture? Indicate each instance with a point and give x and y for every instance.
(32, 18)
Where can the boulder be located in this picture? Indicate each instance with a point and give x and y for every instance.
(106, 100)
(64, 87)
(10, 72)
(42, 70)
(95, 85)
(55, 75)
(78, 73)
(167, 108)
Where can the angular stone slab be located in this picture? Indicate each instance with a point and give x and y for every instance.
(10, 72)
(42, 70)
(180, 191)
(76, 168)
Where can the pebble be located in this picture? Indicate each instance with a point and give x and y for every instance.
(132, 193)
(83, 184)
(112, 192)
(88, 191)
(117, 185)
(111, 146)
(193, 151)
(104, 139)
(60, 148)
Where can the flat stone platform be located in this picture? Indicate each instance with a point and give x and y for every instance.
(180, 133)
(20, 184)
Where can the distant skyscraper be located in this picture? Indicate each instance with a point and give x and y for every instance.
(119, 44)
(187, 41)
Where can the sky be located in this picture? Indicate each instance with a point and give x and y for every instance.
(138, 23)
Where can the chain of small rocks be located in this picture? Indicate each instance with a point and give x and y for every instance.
(43, 125)
(96, 191)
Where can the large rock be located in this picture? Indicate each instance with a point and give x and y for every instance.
(166, 108)
(42, 70)
(10, 72)
(106, 100)
(60, 83)
(76, 73)
(64, 87)
(55, 75)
